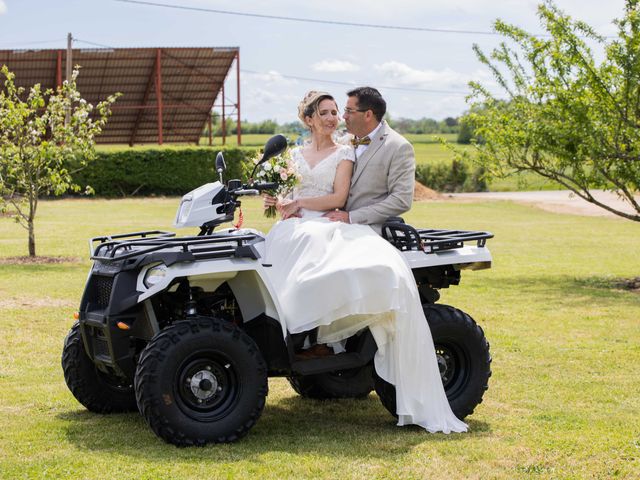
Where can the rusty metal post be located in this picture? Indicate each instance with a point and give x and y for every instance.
(159, 92)
(210, 132)
(224, 119)
(239, 129)
(59, 70)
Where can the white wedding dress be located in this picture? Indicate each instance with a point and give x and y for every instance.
(342, 278)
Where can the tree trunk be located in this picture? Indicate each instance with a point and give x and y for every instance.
(32, 239)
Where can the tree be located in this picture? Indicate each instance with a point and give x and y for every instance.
(465, 135)
(42, 133)
(567, 116)
(451, 122)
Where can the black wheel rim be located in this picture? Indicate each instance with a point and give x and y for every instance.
(454, 366)
(207, 386)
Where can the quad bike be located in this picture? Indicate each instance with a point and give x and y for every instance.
(186, 329)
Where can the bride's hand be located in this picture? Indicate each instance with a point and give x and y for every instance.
(269, 201)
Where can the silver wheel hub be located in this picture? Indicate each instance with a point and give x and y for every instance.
(204, 385)
(442, 364)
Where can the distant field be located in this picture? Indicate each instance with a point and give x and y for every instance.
(248, 140)
(232, 141)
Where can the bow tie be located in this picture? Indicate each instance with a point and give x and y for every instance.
(360, 141)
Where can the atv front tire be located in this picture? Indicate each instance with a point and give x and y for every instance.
(202, 380)
(462, 352)
(97, 391)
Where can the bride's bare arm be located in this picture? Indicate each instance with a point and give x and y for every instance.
(337, 199)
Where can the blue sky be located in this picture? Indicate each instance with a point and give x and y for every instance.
(428, 70)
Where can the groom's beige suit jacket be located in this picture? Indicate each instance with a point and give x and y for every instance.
(383, 179)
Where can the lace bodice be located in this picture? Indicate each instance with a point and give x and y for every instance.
(318, 181)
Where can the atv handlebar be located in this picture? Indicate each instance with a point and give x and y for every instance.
(254, 188)
(264, 186)
(246, 191)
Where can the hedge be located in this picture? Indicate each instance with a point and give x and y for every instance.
(177, 171)
(159, 171)
(454, 176)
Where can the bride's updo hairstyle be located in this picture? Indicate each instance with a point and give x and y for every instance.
(309, 104)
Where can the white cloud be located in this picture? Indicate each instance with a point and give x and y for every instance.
(401, 74)
(3, 7)
(260, 96)
(269, 104)
(272, 77)
(435, 95)
(334, 65)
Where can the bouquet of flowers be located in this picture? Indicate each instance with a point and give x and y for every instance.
(281, 170)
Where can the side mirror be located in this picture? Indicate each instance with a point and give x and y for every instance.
(220, 165)
(274, 147)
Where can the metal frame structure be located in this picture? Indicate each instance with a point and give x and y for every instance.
(167, 93)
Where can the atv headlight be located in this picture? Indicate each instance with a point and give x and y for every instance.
(155, 275)
(184, 210)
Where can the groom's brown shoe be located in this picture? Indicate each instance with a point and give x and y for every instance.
(317, 351)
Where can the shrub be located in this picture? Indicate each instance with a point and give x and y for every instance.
(466, 132)
(159, 171)
(452, 176)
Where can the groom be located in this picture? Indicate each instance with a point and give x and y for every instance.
(384, 172)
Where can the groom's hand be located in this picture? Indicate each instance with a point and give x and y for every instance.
(289, 208)
(338, 216)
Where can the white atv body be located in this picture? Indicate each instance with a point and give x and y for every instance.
(187, 329)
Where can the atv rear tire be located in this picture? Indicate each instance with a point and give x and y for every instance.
(97, 391)
(351, 383)
(202, 380)
(463, 356)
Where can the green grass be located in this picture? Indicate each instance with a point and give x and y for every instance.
(248, 140)
(563, 399)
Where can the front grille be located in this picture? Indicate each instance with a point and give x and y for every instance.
(102, 287)
(100, 347)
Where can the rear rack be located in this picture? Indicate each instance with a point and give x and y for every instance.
(404, 237)
(125, 246)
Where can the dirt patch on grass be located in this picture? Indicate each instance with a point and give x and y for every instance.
(26, 260)
(632, 284)
(38, 302)
(629, 284)
(420, 192)
(555, 201)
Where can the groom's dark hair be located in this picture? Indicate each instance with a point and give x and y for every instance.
(370, 99)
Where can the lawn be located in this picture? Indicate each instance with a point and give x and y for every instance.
(563, 399)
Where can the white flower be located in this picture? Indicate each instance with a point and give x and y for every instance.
(267, 167)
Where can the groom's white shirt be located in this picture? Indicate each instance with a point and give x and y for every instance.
(360, 149)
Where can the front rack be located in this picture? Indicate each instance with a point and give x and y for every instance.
(405, 237)
(130, 245)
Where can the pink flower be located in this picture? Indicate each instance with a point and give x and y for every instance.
(283, 175)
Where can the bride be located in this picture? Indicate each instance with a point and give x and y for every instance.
(342, 278)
